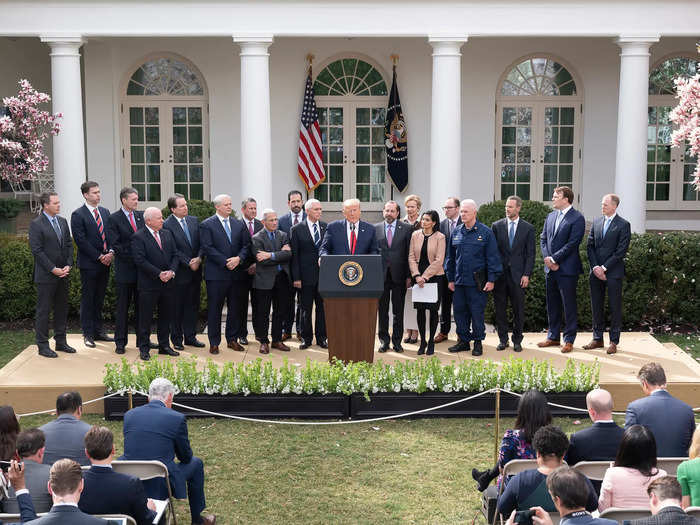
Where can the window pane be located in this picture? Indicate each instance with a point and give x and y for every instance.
(566, 135)
(336, 136)
(566, 154)
(524, 136)
(378, 155)
(180, 135)
(523, 173)
(378, 135)
(182, 189)
(335, 154)
(362, 174)
(136, 135)
(508, 135)
(651, 153)
(335, 173)
(650, 192)
(362, 135)
(152, 154)
(362, 155)
(550, 174)
(152, 116)
(197, 191)
(135, 116)
(550, 154)
(154, 192)
(336, 116)
(196, 174)
(336, 193)
(377, 192)
(322, 116)
(551, 116)
(363, 192)
(567, 116)
(180, 154)
(378, 116)
(663, 172)
(138, 174)
(507, 174)
(508, 116)
(506, 190)
(153, 173)
(377, 174)
(194, 115)
(152, 135)
(662, 192)
(663, 154)
(180, 173)
(321, 193)
(195, 134)
(137, 154)
(524, 154)
(362, 116)
(508, 154)
(196, 154)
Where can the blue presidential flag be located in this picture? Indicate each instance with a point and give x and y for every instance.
(396, 140)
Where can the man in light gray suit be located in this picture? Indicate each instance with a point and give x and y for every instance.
(30, 448)
(65, 435)
(272, 253)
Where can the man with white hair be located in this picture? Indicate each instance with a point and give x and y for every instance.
(157, 432)
(349, 236)
(155, 256)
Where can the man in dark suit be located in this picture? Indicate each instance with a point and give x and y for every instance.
(121, 226)
(296, 214)
(156, 432)
(305, 242)
(665, 503)
(393, 239)
(249, 210)
(64, 435)
(272, 281)
(607, 246)
(350, 236)
(52, 248)
(15, 478)
(95, 256)
(106, 491)
(451, 221)
(559, 242)
(66, 485)
(516, 245)
(226, 244)
(30, 449)
(155, 256)
(669, 419)
(188, 278)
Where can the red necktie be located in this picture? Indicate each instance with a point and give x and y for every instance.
(100, 229)
(250, 228)
(155, 234)
(296, 220)
(353, 239)
(131, 220)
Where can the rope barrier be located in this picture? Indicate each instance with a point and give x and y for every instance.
(50, 410)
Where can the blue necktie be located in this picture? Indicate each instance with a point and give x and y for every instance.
(187, 231)
(606, 226)
(271, 235)
(511, 233)
(317, 237)
(57, 229)
(558, 221)
(228, 229)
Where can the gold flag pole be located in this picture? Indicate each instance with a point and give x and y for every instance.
(310, 60)
(394, 59)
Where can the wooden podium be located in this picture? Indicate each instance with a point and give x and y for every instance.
(351, 286)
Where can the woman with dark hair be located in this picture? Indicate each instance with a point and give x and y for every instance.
(533, 414)
(9, 428)
(426, 257)
(625, 483)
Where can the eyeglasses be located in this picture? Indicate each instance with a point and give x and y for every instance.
(449, 207)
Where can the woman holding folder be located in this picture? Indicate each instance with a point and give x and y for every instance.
(426, 256)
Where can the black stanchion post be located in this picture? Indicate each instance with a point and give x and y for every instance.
(497, 426)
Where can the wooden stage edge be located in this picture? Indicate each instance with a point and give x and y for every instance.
(30, 383)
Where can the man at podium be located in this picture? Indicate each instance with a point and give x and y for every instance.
(349, 236)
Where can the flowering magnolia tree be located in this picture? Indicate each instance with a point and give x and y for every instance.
(686, 116)
(23, 129)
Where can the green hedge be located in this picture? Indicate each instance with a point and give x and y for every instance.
(200, 209)
(533, 212)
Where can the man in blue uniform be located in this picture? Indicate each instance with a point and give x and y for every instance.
(473, 265)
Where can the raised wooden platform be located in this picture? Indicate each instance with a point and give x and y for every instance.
(31, 383)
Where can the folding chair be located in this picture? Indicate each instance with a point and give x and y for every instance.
(620, 515)
(693, 511)
(511, 468)
(129, 519)
(10, 518)
(145, 470)
(670, 465)
(593, 470)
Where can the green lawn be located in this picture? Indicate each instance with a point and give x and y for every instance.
(688, 342)
(12, 342)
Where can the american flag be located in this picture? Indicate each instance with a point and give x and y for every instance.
(310, 154)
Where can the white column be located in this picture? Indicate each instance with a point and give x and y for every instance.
(256, 142)
(67, 98)
(446, 120)
(631, 153)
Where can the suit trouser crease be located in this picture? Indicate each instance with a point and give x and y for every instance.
(396, 294)
(445, 308)
(561, 306)
(279, 299)
(614, 288)
(309, 296)
(506, 289)
(93, 284)
(150, 299)
(469, 305)
(218, 292)
(186, 311)
(51, 296)
(126, 294)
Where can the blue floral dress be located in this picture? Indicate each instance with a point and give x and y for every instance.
(513, 446)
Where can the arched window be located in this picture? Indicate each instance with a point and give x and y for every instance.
(164, 122)
(539, 112)
(669, 170)
(351, 95)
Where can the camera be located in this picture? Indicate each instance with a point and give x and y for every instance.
(524, 517)
(4, 466)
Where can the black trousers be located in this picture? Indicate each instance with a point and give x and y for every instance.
(249, 295)
(504, 290)
(614, 287)
(183, 323)
(164, 299)
(126, 294)
(396, 293)
(309, 295)
(51, 296)
(218, 292)
(93, 284)
(294, 313)
(278, 297)
(446, 308)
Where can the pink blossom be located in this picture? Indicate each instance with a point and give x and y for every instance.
(686, 117)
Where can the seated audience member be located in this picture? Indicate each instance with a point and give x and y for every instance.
(30, 449)
(529, 488)
(625, 483)
(14, 479)
(109, 492)
(64, 435)
(665, 504)
(156, 431)
(569, 490)
(65, 486)
(533, 413)
(670, 419)
(9, 429)
(688, 474)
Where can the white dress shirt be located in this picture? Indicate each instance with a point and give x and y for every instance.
(347, 231)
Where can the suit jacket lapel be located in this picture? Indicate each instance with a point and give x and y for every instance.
(345, 237)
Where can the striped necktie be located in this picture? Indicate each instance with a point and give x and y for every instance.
(100, 229)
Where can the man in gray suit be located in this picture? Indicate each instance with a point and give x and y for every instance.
(270, 247)
(65, 435)
(52, 248)
(30, 448)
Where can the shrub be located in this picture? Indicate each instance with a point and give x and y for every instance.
(533, 212)
(9, 208)
(200, 209)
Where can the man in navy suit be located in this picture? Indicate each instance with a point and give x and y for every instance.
(666, 504)
(15, 477)
(95, 256)
(296, 214)
(560, 239)
(156, 432)
(226, 244)
(306, 241)
(188, 279)
(106, 491)
(249, 210)
(155, 256)
(121, 226)
(450, 223)
(350, 236)
(669, 419)
(607, 246)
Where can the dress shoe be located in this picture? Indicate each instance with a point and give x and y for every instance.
(410, 340)
(286, 336)
(612, 349)
(144, 355)
(595, 343)
(461, 346)
(233, 345)
(65, 347)
(279, 345)
(47, 352)
(103, 337)
(152, 345)
(517, 347)
(431, 348)
(478, 349)
(304, 346)
(421, 348)
(120, 350)
(323, 343)
(89, 342)
(299, 337)
(398, 349)
(178, 346)
(207, 519)
(502, 346)
(168, 351)
(567, 348)
(264, 348)
(243, 341)
(214, 349)
(383, 348)
(195, 343)
(440, 338)
(548, 342)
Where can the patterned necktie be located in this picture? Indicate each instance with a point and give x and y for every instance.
(155, 234)
(296, 220)
(57, 229)
(228, 229)
(558, 221)
(131, 220)
(317, 236)
(511, 233)
(606, 226)
(251, 230)
(389, 235)
(100, 229)
(353, 239)
(183, 222)
(452, 227)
